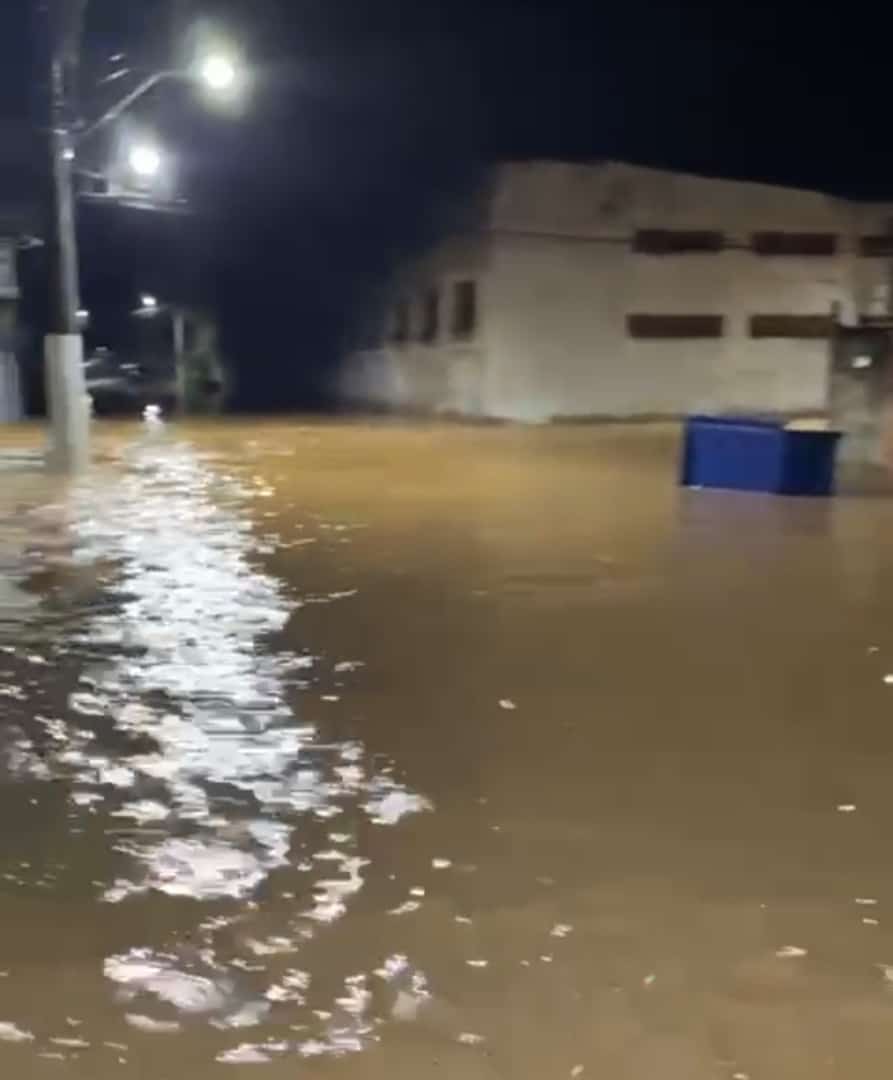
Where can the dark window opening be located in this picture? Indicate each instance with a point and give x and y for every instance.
(791, 243)
(430, 316)
(465, 311)
(791, 326)
(400, 325)
(876, 245)
(658, 327)
(677, 241)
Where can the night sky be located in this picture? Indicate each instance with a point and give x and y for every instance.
(368, 117)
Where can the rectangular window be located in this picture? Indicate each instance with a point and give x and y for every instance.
(400, 323)
(791, 326)
(430, 323)
(877, 246)
(465, 309)
(677, 241)
(793, 243)
(659, 327)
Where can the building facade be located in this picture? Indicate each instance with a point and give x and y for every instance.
(12, 405)
(612, 290)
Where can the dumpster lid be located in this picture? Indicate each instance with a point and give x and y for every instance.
(728, 420)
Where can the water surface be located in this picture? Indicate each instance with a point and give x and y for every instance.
(382, 750)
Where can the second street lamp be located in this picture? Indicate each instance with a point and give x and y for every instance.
(145, 160)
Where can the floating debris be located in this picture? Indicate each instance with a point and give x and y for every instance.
(406, 908)
(790, 952)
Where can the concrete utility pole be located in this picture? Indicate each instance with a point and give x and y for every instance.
(64, 348)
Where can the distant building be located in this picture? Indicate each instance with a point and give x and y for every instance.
(12, 401)
(22, 184)
(613, 290)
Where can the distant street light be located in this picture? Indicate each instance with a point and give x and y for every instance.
(145, 160)
(150, 308)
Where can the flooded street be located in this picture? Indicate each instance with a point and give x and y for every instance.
(367, 751)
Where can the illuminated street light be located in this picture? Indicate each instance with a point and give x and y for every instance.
(149, 302)
(218, 72)
(145, 160)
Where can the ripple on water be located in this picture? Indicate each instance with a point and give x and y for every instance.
(184, 736)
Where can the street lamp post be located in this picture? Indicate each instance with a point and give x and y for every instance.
(64, 350)
(67, 398)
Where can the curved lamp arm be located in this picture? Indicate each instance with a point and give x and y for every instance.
(124, 104)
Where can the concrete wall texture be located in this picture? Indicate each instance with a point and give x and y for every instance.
(558, 272)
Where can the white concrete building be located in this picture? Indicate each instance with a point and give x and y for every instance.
(611, 290)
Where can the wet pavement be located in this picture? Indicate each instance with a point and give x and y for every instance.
(390, 751)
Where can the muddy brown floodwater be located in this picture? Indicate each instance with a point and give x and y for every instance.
(381, 751)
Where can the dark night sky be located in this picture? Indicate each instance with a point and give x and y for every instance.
(369, 115)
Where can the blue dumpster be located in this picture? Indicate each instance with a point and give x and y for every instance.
(757, 455)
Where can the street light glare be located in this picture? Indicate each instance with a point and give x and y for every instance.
(149, 302)
(145, 160)
(218, 72)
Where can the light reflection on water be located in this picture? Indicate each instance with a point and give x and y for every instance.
(185, 734)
